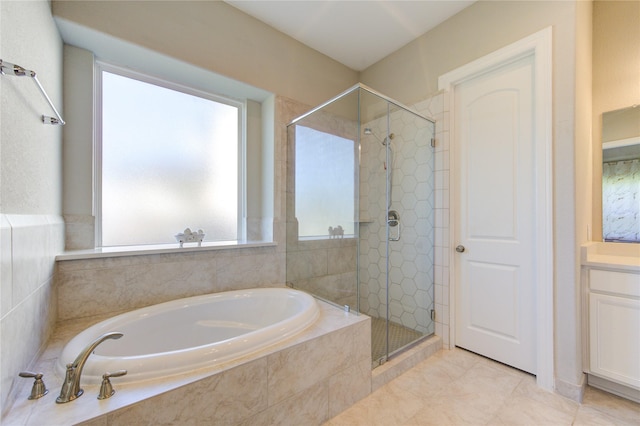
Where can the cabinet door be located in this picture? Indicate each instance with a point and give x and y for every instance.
(614, 324)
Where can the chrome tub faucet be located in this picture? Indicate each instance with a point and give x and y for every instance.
(71, 385)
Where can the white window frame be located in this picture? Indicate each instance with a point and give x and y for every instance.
(101, 66)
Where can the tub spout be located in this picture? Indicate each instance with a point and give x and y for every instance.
(71, 385)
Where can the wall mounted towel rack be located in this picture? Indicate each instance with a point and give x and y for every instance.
(18, 71)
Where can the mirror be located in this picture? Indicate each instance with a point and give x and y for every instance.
(621, 175)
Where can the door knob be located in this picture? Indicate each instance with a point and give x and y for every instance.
(460, 248)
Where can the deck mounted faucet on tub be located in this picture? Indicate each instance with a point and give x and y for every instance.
(71, 385)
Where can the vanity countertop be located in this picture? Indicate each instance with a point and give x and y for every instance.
(620, 256)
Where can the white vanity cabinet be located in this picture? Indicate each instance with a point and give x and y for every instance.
(612, 321)
(614, 326)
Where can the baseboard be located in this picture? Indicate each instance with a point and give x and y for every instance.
(572, 391)
(614, 388)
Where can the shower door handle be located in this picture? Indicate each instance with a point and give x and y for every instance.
(393, 220)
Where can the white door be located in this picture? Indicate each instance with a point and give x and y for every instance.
(495, 223)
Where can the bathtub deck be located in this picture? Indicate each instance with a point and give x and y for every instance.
(313, 376)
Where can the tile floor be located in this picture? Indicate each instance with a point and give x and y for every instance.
(461, 388)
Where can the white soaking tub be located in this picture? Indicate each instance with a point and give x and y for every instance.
(196, 332)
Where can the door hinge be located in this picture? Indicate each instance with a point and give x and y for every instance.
(433, 142)
(433, 315)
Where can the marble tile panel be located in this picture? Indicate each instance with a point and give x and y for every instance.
(349, 386)
(309, 407)
(339, 289)
(261, 270)
(288, 109)
(306, 264)
(297, 368)
(341, 260)
(227, 398)
(361, 342)
(151, 284)
(279, 233)
(84, 293)
(79, 232)
(102, 290)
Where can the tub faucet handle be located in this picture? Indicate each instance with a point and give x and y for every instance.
(38, 390)
(106, 389)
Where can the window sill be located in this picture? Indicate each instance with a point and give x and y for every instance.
(105, 252)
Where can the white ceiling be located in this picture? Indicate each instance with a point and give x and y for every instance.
(354, 33)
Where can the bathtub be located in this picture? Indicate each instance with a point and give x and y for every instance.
(191, 333)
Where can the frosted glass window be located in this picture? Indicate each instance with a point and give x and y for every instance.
(169, 161)
(325, 176)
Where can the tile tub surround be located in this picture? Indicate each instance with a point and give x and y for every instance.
(29, 244)
(110, 285)
(309, 378)
(325, 268)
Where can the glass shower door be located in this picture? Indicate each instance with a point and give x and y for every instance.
(410, 228)
(397, 234)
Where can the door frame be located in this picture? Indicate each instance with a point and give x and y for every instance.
(539, 45)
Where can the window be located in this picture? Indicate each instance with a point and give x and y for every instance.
(168, 158)
(325, 176)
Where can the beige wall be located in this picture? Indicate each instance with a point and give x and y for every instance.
(220, 38)
(31, 229)
(411, 73)
(616, 77)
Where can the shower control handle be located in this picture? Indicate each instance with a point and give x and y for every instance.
(460, 248)
(393, 220)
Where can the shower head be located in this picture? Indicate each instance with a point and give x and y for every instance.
(368, 131)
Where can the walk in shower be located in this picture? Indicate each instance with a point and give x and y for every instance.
(360, 213)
